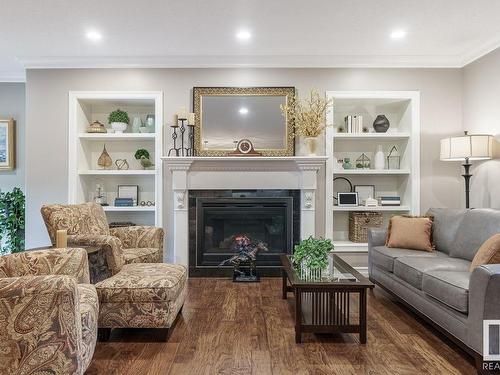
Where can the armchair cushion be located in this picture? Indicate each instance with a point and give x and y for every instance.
(86, 218)
(139, 236)
(142, 255)
(89, 312)
(71, 262)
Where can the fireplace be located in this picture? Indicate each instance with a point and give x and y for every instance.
(216, 216)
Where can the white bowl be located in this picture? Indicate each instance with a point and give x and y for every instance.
(118, 127)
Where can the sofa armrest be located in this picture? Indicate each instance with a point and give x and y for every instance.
(40, 325)
(484, 302)
(139, 236)
(376, 237)
(111, 245)
(70, 262)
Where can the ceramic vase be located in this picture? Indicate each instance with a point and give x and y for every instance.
(381, 124)
(379, 158)
(312, 145)
(136, 124)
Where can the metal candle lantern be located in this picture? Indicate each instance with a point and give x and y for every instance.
(393, 159)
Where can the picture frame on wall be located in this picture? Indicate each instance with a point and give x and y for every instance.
(364, 192)
(129, 191)
(7, 145)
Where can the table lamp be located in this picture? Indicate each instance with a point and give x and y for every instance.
(466, 148)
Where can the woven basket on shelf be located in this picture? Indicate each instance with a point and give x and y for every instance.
(359, 222)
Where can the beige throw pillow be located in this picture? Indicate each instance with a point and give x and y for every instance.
(488, 253)
(408, 232)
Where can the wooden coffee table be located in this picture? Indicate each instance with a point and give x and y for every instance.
(325, 306)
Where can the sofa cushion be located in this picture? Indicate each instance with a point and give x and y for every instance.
(410, 232)
(411, 269)
(448, 287)
(477, 226)
(89, 311)
(488, 253)
(142, 255)
(383, 256)
(445, 227)
(143, 282)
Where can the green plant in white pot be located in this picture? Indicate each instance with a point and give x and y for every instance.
(310, 257)
(118, 120)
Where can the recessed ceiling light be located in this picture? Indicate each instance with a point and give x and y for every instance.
(243, 111)
(398, 34)
(94, 35)
(243, 35)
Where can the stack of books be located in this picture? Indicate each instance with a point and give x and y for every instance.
(124, 202)
(390, 201)
(353, 124)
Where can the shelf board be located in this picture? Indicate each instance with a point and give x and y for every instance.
(115, 172)
(395, 135)
(349, 247)
(117, 137)
(129, 209)
(379, 208)
(371, 171)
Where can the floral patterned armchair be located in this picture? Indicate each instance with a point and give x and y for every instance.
(87, 226)
(48, 312)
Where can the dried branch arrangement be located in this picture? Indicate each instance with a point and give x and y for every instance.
(308, 115)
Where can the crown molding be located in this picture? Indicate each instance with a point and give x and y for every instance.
(480, 51)
(243, 61)
(7, 76)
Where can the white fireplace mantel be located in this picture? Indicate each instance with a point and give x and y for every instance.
(218, 173)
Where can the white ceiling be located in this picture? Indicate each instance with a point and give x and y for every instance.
(286, 33)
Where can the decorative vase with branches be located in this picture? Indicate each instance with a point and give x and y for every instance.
(308, 116)
(12, 221)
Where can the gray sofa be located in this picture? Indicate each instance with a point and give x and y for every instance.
(438, 285)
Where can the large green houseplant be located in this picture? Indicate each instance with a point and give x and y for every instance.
(310, 256)
(12, 216)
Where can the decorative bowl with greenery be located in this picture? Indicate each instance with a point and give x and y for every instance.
(312, 253)
(141, 152)
(119, 120)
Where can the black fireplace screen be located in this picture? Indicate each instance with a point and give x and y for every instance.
(262, 219)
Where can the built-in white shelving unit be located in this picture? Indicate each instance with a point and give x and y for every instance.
(85, 148)
(402, 108)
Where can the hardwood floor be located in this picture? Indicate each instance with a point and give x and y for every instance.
(231, 328)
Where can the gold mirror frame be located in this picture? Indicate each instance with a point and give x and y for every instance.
(199, 92)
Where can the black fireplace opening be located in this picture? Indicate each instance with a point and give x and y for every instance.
(216, 217)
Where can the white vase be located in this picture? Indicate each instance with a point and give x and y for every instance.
(118, 127)
(136, 124)
(312, 145)
(379, 158)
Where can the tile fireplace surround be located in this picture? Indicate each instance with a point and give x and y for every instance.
(238, 173)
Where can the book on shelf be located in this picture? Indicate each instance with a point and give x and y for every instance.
(124, 202)
(390, 201)
(353, 124)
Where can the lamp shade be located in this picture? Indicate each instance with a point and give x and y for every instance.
(471, 146)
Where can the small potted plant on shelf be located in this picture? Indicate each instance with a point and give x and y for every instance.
(310, 257)
(142, 156)
(118, 120)
(309, 117)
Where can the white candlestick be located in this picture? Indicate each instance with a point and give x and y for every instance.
(191, 119)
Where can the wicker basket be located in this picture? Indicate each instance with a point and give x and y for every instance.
(359, 222)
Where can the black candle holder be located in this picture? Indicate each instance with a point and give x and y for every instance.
(174, 149)
(182, 150)
(191, 150)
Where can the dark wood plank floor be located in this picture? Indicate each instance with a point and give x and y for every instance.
(230, 328)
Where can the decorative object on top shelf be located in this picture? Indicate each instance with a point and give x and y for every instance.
(7, 145)
(310, 258)
(12, 221)
(100, 195)
(118, 120)
(130, 192)
(393, 159)
(354, 124)
(466, 148)
(244, 260)
(137, 124)
(379, 158)
(122, 164)
(104, 160)
(360, 222)
(364, 192)
(347, 163)
(363, 162)
(308, 116)
(244, 147)
(96, 127)
(381, 124)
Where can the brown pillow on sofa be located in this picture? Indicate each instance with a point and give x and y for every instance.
(410, 232)
(488, 253)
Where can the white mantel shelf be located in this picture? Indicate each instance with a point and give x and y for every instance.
(235, 173)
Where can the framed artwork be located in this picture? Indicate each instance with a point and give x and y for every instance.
(347, 199)
(129, 191)
(7, 145)
(365, 192)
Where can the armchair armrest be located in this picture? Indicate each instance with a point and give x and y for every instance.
(111, 245)
(40, 325)
(484, 302)
(139, 236)
(70, 262)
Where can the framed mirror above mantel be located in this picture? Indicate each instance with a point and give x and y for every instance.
(226, 115)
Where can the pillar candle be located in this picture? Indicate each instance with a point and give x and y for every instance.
(62, 238)
(182, 113)
(191, 119)
(176, 120)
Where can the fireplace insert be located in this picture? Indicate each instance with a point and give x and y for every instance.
(262, 215)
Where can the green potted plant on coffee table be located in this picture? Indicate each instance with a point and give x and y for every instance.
(310, 257)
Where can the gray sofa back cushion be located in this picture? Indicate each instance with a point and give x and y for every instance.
(445, 227)
(477, 226)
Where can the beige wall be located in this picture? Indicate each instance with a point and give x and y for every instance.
(47, 116)
(481, 115)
